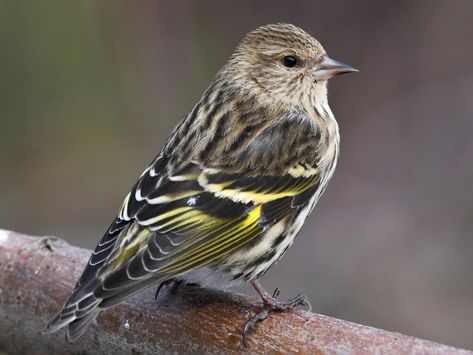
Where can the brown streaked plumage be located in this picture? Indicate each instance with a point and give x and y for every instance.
(231, 188)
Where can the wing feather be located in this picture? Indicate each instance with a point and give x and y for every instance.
(257, 190)
(171, 224)
(212, 222)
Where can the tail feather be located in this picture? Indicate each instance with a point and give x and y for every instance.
(79, 325)
(57, 322)
(81, 309)
(76, 314)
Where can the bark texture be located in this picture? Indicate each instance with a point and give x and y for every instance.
(37, 274)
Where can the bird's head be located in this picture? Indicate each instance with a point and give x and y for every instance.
(286, 64)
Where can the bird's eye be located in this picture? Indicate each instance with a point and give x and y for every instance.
(290, 61)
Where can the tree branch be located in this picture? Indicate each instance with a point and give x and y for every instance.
(38, 274)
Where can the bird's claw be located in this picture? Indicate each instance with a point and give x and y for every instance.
(251, 324)
(172, 282)
(273, 305)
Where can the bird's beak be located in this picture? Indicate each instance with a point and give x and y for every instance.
(329, 68)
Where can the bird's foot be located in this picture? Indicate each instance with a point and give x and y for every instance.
(271, 304)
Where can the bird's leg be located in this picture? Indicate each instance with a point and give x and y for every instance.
(271, 304)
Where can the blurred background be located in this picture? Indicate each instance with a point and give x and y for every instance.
(90, 90)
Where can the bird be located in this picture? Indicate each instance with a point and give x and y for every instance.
(232, 187)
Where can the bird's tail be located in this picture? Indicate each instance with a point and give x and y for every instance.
(84, 305)
(81, 309)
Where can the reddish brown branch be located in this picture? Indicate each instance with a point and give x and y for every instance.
(37, 274)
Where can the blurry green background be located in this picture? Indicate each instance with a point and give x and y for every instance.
(90, 90)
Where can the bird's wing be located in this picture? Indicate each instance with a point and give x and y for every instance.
(175, 222)
(193, 219)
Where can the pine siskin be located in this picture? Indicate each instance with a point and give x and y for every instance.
(233, 185)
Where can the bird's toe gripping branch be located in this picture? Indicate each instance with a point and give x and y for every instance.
(271, 304)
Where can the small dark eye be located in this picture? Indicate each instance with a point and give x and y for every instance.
(290, 61)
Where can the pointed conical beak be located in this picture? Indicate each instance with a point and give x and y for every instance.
(329, 68)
